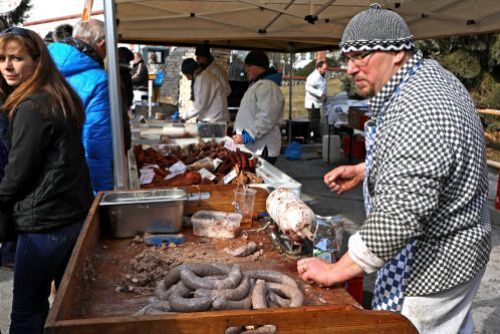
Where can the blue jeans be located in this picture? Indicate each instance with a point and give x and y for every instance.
(41, 257)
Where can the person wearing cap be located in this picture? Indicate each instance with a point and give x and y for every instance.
(425, 182)
(261, 109)
(315, 96)
(210, 101)
(206, 61)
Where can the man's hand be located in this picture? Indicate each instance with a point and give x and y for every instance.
(323, 273)
(238, 139)
(315, 270)
(344, 178)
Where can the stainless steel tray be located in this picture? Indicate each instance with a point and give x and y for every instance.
(152, 211)
(143, 196)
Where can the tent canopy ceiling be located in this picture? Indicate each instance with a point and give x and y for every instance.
(288, 25)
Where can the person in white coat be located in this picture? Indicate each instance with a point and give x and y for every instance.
(210, 101)
(261, 109)
(315, 96)
(206, 61)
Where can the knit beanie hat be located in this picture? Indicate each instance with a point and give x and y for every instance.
(258, 58)
(203, 51)
(376, 29)
(189, 66)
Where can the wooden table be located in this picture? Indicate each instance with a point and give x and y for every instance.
(87, 301)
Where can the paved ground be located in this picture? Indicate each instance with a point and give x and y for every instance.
(309, 171)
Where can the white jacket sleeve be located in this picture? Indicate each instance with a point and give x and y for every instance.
(362, 256)
(202, 95)
(221, 74)
(314, 87)
(191, 112)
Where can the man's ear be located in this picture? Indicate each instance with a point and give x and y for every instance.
(399, 57)
(101, 46)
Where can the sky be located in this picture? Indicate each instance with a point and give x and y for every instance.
(44, 9)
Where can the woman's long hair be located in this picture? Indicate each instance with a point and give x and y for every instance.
(45, 78)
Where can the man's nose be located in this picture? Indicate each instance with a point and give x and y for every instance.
(352, 68)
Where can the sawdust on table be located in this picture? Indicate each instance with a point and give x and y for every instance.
(153, 263)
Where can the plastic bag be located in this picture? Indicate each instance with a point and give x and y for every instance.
(293, 151)
(175, 116)
(159, 78)
(327, 237)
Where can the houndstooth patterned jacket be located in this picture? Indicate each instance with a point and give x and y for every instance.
(429, 180)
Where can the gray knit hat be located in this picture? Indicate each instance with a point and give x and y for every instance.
(376, 29)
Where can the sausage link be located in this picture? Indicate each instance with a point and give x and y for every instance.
(180, 302)
(259, 295)
(294, 294)
(272, 276)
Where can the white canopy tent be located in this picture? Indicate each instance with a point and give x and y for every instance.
(277, 25)
(272, 25)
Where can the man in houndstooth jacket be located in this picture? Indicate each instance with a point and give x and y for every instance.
(427, 232)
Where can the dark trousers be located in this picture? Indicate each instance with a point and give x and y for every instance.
(7, 253)
(315, 118)
(265, 155)
(272, 160)
(41, 257)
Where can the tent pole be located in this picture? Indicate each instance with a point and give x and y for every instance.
(290, 86)
(119, 160)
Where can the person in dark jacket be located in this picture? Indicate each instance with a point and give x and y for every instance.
(139, 71)
(80, 60)
(125, 56)
(62, 31)
(8, 245)
(46, 182)
(49, 38)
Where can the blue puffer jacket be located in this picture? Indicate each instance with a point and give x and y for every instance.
(89, 79)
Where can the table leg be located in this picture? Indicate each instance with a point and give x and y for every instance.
(329, 138)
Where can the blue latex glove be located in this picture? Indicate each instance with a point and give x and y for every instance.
(175, 116)
(247, 139)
